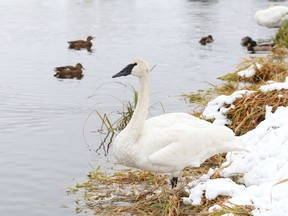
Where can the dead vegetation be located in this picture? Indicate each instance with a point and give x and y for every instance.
(250, 110)
(266, 68)
(135, 192)
(281, 38)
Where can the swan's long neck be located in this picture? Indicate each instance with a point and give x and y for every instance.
(140, 114)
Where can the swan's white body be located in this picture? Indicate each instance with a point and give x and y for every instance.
(170, 142)
(272, 17)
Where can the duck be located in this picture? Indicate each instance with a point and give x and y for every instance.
(81, 44)
(254, 47)
(272, 17)
(205, 40)
(169, 142)
(245, 40)
(69, 72)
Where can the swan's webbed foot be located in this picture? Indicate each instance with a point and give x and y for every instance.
(174, 181)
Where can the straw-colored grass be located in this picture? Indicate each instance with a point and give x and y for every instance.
(266, 68)
(281, 36)
(250, 110)
(132, 192)
(201, 98)
(135, 192)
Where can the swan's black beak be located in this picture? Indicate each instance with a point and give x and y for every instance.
(125, 71)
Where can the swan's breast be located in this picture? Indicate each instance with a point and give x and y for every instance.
(125, 150)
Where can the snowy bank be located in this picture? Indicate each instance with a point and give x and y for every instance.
(217, 108)
(265, 165)
(250, 71)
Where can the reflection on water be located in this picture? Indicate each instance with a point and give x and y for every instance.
(42, 118)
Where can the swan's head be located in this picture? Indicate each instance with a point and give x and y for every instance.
(138, 68)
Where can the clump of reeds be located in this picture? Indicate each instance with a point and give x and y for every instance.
(265, 69)
(249, 110)
(281, 38)
(108, 128)
(201, 98)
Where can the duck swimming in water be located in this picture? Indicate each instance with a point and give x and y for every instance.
(69, 72)
(81, 44)
(254, 47)
(170, 142)
(205, 40)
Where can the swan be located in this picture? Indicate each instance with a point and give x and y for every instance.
(272, 17)
(169, 142)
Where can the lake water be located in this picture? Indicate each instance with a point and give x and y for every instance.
(42, 127)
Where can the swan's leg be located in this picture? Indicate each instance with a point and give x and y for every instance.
(174, 181)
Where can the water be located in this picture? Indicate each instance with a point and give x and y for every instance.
(43, 151)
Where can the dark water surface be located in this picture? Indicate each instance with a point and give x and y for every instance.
(42, 149)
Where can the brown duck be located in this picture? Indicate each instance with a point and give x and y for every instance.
(69, 72)
(205, 40)
(81, 44)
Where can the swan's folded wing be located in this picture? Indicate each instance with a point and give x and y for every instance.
(170, 119)
(175, 155)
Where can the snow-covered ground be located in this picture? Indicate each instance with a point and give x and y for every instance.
(265, 166)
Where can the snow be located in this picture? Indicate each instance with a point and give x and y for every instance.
(250, 71)
(216, 110)
(214, 208)
(263, 166)
(275, 86)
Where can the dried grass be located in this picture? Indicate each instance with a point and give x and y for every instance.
(234, 209)
(249, 110)
(281, 38)
(266, 68)
(135, 192)
(132, 192)
(277, 183)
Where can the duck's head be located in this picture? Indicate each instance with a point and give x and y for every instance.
(210, 37)
(138, 68)
(79, 66)
(252, 43)
(89, 38)
(245, 41)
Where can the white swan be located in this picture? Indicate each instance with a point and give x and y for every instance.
(170, 142)
(272, 17)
